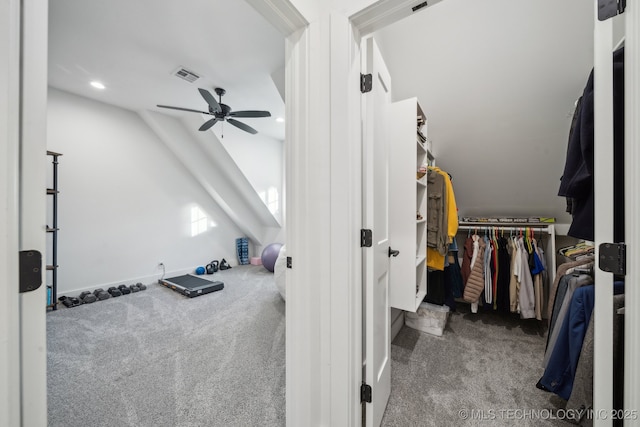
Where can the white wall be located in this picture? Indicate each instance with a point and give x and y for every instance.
(125, 201)
(260, 158)
(497, 80)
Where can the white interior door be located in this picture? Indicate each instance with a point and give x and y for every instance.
(377, 312)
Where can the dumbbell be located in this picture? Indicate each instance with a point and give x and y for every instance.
(134, 288)
(87, 297)
(69, 301)
(124, 289)
(114, 292)
(101, 294)
(141, 286)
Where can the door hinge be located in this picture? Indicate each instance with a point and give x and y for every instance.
(365, 393)
(366, 83)
(610, 8)
(30, 265)
(289, 262)
(366, 238)
(612, 258)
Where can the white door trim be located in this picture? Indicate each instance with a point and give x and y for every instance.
(33, 210)
(9, 151)
(324, 188)
(632, 208)
(603, 226)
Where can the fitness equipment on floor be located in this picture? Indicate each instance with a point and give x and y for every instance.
(224, 265)
(87, 297)
(69, 301)
(191, 286)
(141, 286)
(269, 255)
(242, 250)
(134, 288)
(212, 267)
(124, 289)
(200, 270)
(114, 292)
(101, 294)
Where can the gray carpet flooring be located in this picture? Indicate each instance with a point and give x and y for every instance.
(156, 358)
(481, 372)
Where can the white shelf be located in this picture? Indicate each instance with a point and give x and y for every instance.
(408, 271)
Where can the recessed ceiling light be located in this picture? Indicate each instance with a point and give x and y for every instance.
(97, 85)
(280, 120)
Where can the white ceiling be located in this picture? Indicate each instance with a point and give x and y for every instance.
(134, 46)
(497, 80)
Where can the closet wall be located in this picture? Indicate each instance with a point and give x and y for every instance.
(497, 80)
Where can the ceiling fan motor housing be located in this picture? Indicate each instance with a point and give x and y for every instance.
(224, 111)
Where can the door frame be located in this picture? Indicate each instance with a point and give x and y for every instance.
(23, 111)
(9, 151)
(324, 212)
(604, 44)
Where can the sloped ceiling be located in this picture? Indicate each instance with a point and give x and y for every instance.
(134, 46)
(497, 80)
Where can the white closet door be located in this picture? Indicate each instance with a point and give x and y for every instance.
(377, 322)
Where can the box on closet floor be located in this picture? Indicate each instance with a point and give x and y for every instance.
(429, 318)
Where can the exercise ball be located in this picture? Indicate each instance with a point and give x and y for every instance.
(269, 255)
(200, 270)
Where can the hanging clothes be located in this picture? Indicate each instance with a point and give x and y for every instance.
(574, 283)
(436, 213)
(503, 276)
(576, 183)
(442, 221)
(562, 364)
(475, 283)
(467, 255)
(526, 296)
(536, 273)
(514, 284)
(453, 283)
(488, 282)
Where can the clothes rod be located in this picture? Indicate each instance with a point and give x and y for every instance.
(483, 227)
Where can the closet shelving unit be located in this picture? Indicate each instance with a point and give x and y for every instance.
(408, 205)
(52, 289)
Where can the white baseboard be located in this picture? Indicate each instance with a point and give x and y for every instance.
(147, 280)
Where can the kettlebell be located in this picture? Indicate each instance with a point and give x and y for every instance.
(212, 267)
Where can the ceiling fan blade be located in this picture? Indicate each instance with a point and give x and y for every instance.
(210, 100)
(242, 126)
(250, 113)
(183, 109)
(207, 125)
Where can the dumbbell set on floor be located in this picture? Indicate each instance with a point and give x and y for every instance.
(100, 294)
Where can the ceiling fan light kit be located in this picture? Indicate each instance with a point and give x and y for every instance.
(222, 112)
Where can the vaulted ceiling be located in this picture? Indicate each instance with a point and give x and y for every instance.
(497, 80)
(133, 47)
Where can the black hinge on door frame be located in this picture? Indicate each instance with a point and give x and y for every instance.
(612, 258)
(289, 262)
(366, 83)
(30, 265)
(365, 393)
(610, 8)
(366, 238)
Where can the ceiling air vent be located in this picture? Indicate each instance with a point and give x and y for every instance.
(185, 74)
(418, 7)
